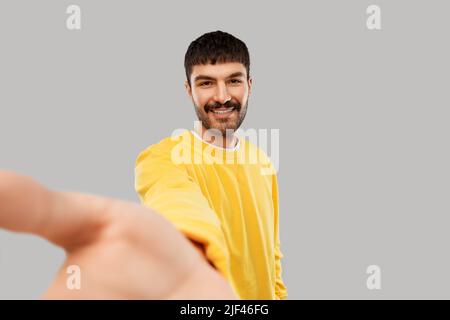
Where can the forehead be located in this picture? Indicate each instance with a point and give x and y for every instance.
(218, 70)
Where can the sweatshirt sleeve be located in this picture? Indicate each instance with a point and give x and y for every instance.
(170, 191)
(280, 288)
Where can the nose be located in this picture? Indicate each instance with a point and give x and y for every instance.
(221, 94)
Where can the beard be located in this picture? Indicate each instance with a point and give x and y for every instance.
(225, 125)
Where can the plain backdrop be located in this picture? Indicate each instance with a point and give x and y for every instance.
(363, 119)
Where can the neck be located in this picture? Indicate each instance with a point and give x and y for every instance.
(224, 141)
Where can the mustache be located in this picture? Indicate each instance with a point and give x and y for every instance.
(209, 106)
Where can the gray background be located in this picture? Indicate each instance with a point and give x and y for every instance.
(363, 118)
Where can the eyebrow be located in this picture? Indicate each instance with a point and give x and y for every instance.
(205, 77)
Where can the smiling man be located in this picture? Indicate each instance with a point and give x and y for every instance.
(223, 204)
(220, 94)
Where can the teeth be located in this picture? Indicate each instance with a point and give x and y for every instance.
(223, 111)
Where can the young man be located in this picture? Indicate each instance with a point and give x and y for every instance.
(127, 251)
(205, 182)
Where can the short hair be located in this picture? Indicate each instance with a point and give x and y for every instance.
(216, 47)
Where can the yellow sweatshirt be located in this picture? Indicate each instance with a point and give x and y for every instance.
(224, 199)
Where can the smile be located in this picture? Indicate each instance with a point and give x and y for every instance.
(222, 110)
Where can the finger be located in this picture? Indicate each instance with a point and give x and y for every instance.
(66, 219)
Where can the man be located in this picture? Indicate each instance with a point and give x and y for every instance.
(128, 251)
(204, 181)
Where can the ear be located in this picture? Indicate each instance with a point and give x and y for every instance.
(188, 88)
(250, 84)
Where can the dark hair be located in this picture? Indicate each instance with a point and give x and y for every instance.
(216, 47)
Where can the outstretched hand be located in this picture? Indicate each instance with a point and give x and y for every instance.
(124, 250)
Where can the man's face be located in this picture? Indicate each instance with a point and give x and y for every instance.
(220, 94)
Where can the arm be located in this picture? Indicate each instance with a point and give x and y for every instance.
(168, 189)
(124, 250)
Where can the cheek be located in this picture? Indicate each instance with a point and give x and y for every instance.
(242, 99)
(240, 94)
(200, 99)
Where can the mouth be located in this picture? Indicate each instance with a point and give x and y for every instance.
(222, 110)
(222, 113)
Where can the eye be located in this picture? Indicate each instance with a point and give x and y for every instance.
(235, 81)
(205, 83)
